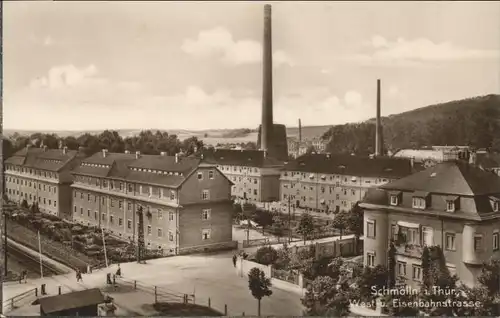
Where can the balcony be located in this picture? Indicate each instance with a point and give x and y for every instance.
(409, 250)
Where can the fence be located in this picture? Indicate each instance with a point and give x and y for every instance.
(268, 241)
(52, 249)
(285, 275)
(20, 300)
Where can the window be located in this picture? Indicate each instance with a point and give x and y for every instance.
(111, 202)
(160, 214)
(496, 241)
(211, 174)
(103, 216)
(95, 215)
(478, 242)
(205, 234)
(255, 191)
(88, 213)
(416, 273)
(171, 216)
(88, 197)
(74, 209)
(170, 236)
(370, 259)
(370, 229)
(401, 268)
(149, 229)
(74, 193)
(450, 241)
(160, 233)
(450, 206)
(496, 206)
(121, 186)
(427, 236)
(418, 203)
(394, 200)
(130, 188)
(120, 204)
(81, 211)
(394, 232)
(111, 218)
(205, 195)
(172, 195)
(81, 195)
(409, 235)
(129, 206)
(205, 214)
(200, 175)
(129, 224)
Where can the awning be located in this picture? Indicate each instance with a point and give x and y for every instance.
(408, 224)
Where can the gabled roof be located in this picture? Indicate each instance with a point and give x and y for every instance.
(249, 158)
(44, 159)
(454, 178)
(384, 167)
(72, 300)
(148, 169)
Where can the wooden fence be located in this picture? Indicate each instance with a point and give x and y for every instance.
(20, 300)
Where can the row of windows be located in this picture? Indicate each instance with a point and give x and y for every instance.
(424, 236)
(32, 184)
(140, 189)
(238, 169)
(240, 189)
(211, 175)
(32, 197)
(240, 179)
(34, 172)
(421, 203)
(339, 178)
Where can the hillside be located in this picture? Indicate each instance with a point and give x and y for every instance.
(473, 121)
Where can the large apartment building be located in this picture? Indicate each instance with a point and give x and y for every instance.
(255, 176)
(326, 183)
(186, 202)
(42, 177)
(453, 204)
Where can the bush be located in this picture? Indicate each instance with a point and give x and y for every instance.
(266, 255)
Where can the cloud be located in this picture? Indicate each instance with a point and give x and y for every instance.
(218, 42)
(65, 76)
(419, 50)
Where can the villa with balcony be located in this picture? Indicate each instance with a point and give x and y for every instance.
(453, 205)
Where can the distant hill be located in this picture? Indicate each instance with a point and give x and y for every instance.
(473, 121)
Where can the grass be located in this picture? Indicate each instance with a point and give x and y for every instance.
(185, 310)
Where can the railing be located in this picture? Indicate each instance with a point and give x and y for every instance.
(20, 300)
(161, 294)
(268, 241)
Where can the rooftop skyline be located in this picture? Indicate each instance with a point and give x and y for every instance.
(192, 65)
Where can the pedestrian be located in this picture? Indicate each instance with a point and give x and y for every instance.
(79, 276)
(25, 275)
(119, 271)
(234, 260)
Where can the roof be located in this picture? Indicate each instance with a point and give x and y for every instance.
(386, 167)
(454, 178)
(488, 160)
(42, 158)
(420, 154)
(150, 169)
(249, 158)
(72, 300)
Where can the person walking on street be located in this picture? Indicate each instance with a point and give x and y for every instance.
(119, 271)
(25, 276)
(79, 276)
(234, 260)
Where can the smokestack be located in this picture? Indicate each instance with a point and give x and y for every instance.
(267, 77)
(378, 127)
(300, 131)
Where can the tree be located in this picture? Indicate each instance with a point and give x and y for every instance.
(306, 226)
(284, 257)
(369, 278)
(192, 145)
(7, 148)
(266, 255)
(259, 285)
(340, 222)
(24, 204)
(322, 298)
(354, 221)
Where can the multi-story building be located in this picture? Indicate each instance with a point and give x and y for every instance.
(42, 177)
(453, 204)
(186, 202)
(435, 154)
(326, 183)
(255, 176)
(298, 148)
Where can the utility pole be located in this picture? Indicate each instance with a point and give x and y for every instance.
(140, 235)
(289, 221)
(104, 246)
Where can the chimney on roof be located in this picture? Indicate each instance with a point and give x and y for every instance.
(300, 131)
(267, 83)
(378, 125)
(163, 153)
(104, 153)
(176, 158)
(45, 148)
(65, 150)
(137, 154)
(127, 152)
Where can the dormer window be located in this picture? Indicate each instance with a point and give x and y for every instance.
(496, 206)
(450, 206)
(418, 203)
(394, 200)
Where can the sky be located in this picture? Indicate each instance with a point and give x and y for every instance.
(192, 65)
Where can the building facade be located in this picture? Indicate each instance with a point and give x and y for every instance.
(42, 177)
(298, 148)
(186, 202)
(324, 184)
(255, 176)
(453, 205)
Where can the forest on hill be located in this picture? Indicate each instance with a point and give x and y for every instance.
(473, 121)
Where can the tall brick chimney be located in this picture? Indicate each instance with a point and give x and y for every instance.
(300, 131)
(267, 88)
(378, 126)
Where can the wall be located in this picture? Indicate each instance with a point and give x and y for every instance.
(191, 190)
(379, 244)
(270, 188)
(64, 201)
